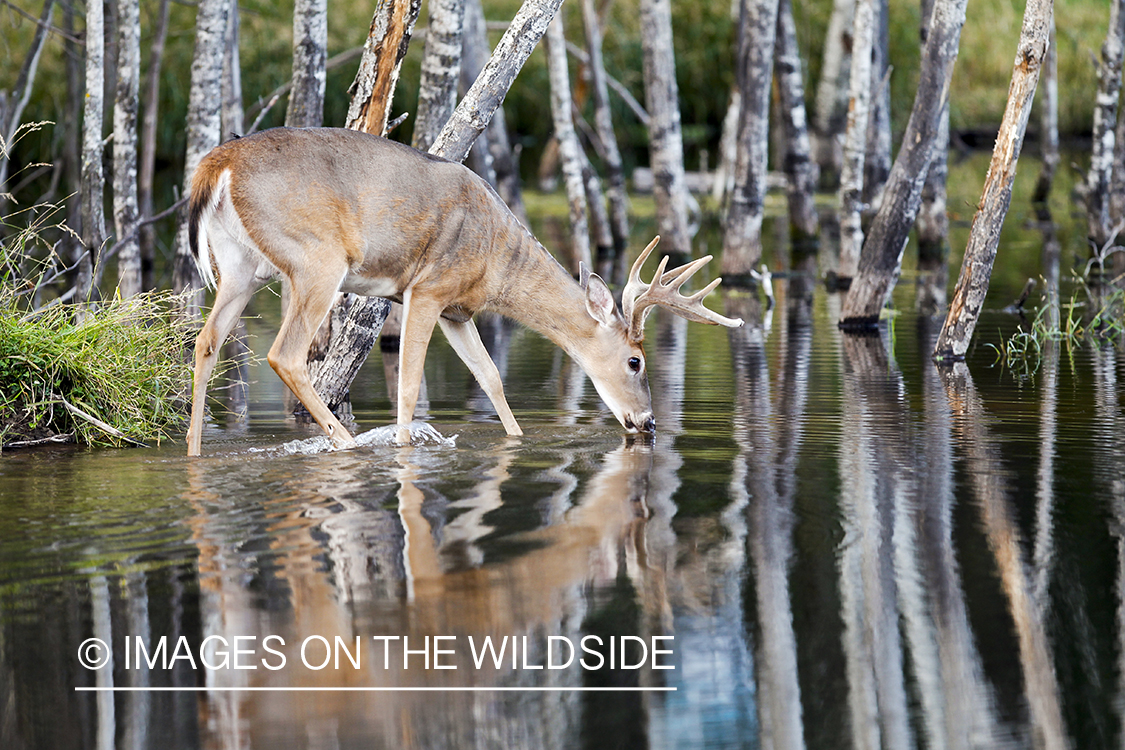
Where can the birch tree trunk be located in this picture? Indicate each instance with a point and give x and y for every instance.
(932, 224)
(877, 163)
(666, 146)
(1105, 122)
(125, 212)
(742, 235)
(799, 167)
(832, 92)
(855, 143)
(310, 57)
(485, 95)
(1049, 126)
(93, 177)
(603, 121)
(233, 113)
(984, 237)
(497, 163)
(569, 149)
(204, 123)
(147, 168)
(441, 69)
(881, 258)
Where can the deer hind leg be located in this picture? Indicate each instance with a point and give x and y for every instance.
(312, 292)
(237, 285)
(419, 315)
(465, 340)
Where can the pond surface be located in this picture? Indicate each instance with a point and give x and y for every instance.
(830, 543)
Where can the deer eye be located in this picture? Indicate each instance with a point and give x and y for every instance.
(635, 364)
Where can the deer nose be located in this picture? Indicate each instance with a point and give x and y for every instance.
(643, 423)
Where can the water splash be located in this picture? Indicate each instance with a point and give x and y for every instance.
(421, 433)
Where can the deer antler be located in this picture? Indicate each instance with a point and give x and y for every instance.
(664, 290)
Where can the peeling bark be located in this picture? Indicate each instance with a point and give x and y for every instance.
(125, 212)
(373, 88)
(881, 259)
(984, 237)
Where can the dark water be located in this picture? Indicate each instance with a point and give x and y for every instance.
(831, 542)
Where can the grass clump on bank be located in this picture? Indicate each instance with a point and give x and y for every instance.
(109, 373)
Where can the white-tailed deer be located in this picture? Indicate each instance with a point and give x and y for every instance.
(330, 210)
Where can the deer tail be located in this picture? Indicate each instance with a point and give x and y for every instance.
(207, 188)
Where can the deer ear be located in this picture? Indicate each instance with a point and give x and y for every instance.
(599, 300)
(583, 275)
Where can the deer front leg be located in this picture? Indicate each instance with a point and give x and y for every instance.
(465, 340)
(311, 296)
(419, 315)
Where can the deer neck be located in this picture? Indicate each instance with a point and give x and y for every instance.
(543, 296)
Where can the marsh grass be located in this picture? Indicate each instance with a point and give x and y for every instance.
(110, 373)
(1094, 315)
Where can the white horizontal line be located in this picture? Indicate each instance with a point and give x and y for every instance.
(372, 689)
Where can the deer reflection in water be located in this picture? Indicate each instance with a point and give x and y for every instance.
(414, 563)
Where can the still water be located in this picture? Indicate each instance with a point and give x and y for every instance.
(830, 543)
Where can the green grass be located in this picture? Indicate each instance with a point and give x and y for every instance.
(111, 373)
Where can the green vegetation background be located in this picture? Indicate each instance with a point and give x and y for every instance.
(704, 34)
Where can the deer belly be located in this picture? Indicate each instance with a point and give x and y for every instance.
(370, 286)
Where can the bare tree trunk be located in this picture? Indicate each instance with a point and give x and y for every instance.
(932, 224)
(125, 213)
(976, 268)
(310, 57)
(233, 114)
(801, 170)
(877, 163)
(441, 68)
(204, 123)
(498, 163)
(372, 91)
(881, 259)
(603, 122)
(1105, 121)
(147, 169)
(569, 148)
(832, 92)
(742, 235)
(93, 177)
(484, 97)
(1049, 125)
(855, 143)
(666, 146)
